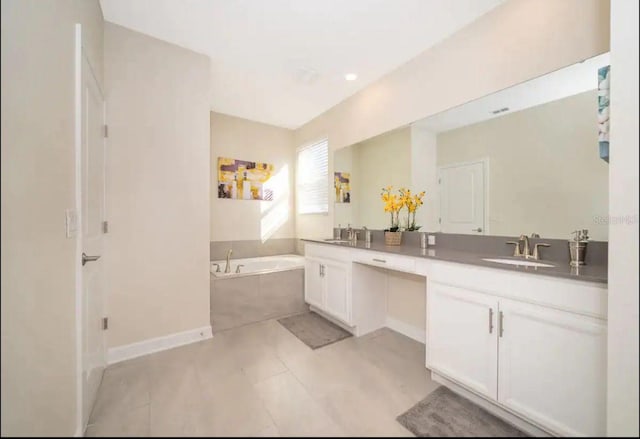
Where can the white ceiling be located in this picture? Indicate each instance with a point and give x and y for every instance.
(569, 81)
(283, 62)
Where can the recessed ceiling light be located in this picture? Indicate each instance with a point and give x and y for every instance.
(350, 76)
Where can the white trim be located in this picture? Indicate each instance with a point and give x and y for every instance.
(78, 237)
(151, 345)
(413, 332)
(492, 407)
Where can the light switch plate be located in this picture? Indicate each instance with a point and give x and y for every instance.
(431, 239)
(71, 222)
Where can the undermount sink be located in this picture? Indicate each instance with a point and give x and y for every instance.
(339, 241)
(518, 262)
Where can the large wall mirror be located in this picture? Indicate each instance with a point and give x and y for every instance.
(522, 160)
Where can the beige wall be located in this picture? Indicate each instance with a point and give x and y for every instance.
(545, 173)
(380, 162)
(157, 187)
(236, 220)
(406, 299)
(38, 261)
(424, 176)
(622, 365)
(502, 48)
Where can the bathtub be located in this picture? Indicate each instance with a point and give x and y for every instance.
(266, 288)
(253, 266)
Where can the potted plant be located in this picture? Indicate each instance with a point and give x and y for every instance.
(411, 202)
(393, 203)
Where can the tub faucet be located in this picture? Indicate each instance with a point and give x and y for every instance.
(227, 268)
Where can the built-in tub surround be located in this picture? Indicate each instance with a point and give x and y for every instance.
(253, 266)
(267, 287)
(252, 248)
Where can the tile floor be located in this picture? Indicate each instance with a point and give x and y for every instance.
(260, 380)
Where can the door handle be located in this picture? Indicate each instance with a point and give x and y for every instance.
(501, 323)
(479, 229)
(86, 258)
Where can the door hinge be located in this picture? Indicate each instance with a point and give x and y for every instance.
(439, 220)
(105, 323)
(105, 226)
(106, 131)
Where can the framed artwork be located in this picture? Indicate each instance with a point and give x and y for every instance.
(603, 112)
(341, 182)
(243, 180)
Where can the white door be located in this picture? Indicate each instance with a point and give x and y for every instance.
(92, 216)
(337, 302)
(313, 282)
(462, 336)
(462, 198)
(552, 368)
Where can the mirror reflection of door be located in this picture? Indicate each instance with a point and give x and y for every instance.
(462, 198)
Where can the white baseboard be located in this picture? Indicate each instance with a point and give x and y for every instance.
(133, 350)
(418, 334)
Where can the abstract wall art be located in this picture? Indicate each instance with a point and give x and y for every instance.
(603, 112)
(342, 185)
(244, 180)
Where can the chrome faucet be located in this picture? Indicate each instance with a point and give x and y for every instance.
(349, 232)
(227, 268)
(526, 250)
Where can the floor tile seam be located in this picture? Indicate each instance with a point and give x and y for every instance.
(264, 405)
(318, 401)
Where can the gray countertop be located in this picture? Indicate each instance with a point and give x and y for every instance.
(586, 273)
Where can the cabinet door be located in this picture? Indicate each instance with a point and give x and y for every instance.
(552, 368)
(337, 301)
(462, 335)
(313, 282)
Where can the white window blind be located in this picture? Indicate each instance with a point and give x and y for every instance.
(312, 186)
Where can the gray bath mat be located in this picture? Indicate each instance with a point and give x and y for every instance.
(314, 330)
(445, 414)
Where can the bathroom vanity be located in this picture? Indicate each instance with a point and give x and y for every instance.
(527, 341)
(530, 341)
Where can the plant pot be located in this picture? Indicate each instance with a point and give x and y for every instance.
(392, 238)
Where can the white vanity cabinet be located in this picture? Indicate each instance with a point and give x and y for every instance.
(462, 337)
(552, 367)
(328, 282)
(529, 348)
(313, 282)
(543, 363)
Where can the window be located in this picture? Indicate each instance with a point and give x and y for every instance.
(312, 185)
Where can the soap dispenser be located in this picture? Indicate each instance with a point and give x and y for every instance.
(578, 247)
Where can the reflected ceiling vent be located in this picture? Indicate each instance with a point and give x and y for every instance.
(501, 110)
(305, 75)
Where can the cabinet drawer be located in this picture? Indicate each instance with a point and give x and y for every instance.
(327, 251)
(386, 260)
